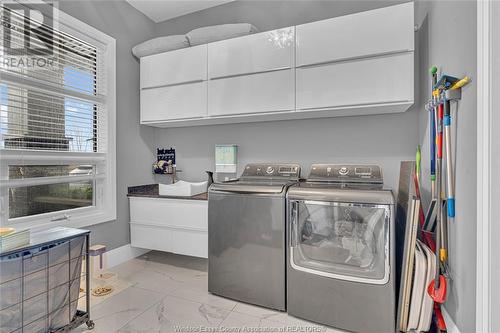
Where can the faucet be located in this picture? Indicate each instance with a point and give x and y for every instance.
(174, 174)
(172, 170)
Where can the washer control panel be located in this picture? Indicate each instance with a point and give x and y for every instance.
(254, 170)
(346, 173)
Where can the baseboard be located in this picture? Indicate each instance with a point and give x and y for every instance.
(450, 324)
(122, 254)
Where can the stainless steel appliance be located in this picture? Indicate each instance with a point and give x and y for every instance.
(246, 235)
(340, 261)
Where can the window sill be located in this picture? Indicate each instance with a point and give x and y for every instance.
(78, 221)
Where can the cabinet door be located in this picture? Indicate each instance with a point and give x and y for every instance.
(380, 31)
(260, 52)
(369, 81)
(183, 101)
(182, 213)
(265, 92)
(173, 67)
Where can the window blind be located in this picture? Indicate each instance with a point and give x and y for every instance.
(52, 87)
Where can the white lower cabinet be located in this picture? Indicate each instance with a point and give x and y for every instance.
(183, 101)
(250, 94)
(171, 225)
(372, 81)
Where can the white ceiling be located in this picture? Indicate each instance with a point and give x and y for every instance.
(161, 10)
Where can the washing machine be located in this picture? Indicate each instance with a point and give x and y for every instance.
(246, 235)
(340, 258)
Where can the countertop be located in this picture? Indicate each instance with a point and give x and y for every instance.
(151, 191)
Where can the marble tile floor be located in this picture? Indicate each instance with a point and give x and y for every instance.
(167, 293)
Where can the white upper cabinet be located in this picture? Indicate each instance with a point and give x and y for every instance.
(184, 101)
(266, 51)
(250, 94)
(379, 31)
(382, 80)
(174, 67)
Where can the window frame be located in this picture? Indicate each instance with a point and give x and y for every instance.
(104, 194)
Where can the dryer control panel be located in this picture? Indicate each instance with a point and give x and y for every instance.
(264, 170)
(346, 173)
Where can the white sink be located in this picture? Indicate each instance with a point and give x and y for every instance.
(183, 189)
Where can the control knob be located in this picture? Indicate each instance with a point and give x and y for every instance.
(343, 171)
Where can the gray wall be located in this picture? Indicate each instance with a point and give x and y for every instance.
(268, 14)
(134, 143)
(384, 139)
(451, 45)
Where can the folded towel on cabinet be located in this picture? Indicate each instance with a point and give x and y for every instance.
(159, 45)
(219, 32)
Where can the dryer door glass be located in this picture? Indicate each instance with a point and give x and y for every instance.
(341, 240)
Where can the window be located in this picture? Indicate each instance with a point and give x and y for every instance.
(57, 113)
